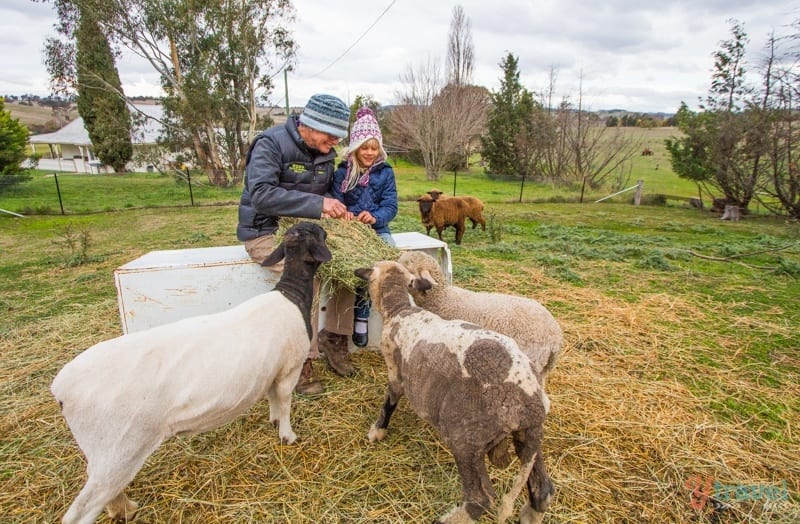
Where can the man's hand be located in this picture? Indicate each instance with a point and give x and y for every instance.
(333, 208)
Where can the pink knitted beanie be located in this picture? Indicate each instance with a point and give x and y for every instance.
(364, 128)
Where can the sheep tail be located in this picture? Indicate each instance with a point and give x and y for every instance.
(507, 503)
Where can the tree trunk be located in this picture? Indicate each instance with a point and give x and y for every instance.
(731, 213)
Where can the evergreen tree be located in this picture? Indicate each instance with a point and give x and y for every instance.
(510, 109)
(105, 113)
(13, 139)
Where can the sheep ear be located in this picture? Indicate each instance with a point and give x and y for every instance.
(363, 273)
(419, 284)
(321, 253)
(276, 256)
(427, 277)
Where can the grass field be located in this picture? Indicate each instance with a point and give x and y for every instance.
(680, 368)
(82, 193)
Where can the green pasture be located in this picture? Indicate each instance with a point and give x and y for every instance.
(91, 193)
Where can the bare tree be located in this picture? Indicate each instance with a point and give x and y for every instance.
(212, 58)
(596, 150)
(434, 119)
(460, 50)
(557, 155)
(782, 87)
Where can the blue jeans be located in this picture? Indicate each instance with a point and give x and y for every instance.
(363, 303)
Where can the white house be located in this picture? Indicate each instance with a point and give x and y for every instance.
(69, 148)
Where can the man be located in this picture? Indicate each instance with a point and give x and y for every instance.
(288, 172)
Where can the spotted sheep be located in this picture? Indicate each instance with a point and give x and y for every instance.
(474, 386)
(123, 397)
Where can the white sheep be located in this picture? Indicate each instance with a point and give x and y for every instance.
(123, 397)
(474, 386)
(525, 320)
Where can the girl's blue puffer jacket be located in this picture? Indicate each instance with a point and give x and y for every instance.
(379, 196)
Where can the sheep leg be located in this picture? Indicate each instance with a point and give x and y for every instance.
(393, 393)
(105, 487)
(474, 223)
(89, 502)
(279, 397)
(111, 466)
(540, 489)
(476, 488)
(459, 230)
(439, 232)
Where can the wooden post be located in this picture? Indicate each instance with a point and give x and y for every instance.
(58, 190)
(189, 179)
(637, 197)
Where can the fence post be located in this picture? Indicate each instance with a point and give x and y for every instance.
(58, 190)
(189, 178)
(637, 197)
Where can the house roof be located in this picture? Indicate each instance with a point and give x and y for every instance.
(75, 132)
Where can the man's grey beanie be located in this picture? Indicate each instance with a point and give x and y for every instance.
(326, 113)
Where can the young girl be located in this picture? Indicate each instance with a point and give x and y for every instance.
(364, 182)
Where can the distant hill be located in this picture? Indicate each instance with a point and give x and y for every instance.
(39, 118)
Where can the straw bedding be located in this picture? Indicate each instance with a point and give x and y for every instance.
(623, 437)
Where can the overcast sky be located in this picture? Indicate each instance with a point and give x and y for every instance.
(632, 54)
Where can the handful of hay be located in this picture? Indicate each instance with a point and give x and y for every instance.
(352, 244)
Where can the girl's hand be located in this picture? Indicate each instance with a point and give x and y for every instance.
(365, 217)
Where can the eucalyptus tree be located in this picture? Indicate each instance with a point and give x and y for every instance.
(216, 60)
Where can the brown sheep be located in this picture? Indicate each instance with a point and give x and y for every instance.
(475, 213)
(443, 213)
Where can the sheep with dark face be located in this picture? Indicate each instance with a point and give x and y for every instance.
(474, 386)
(123, 397)
(474, 207)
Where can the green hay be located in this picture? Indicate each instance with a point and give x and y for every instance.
(352, 244)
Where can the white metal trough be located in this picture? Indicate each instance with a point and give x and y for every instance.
(164, 286)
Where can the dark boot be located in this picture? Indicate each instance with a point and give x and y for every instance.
(307, 384)
(334, 347)
(361, 318)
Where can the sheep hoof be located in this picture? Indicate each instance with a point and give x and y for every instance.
(528, 515)
(122, 509)
(290, 438)
(376, 434)
(457, 515)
